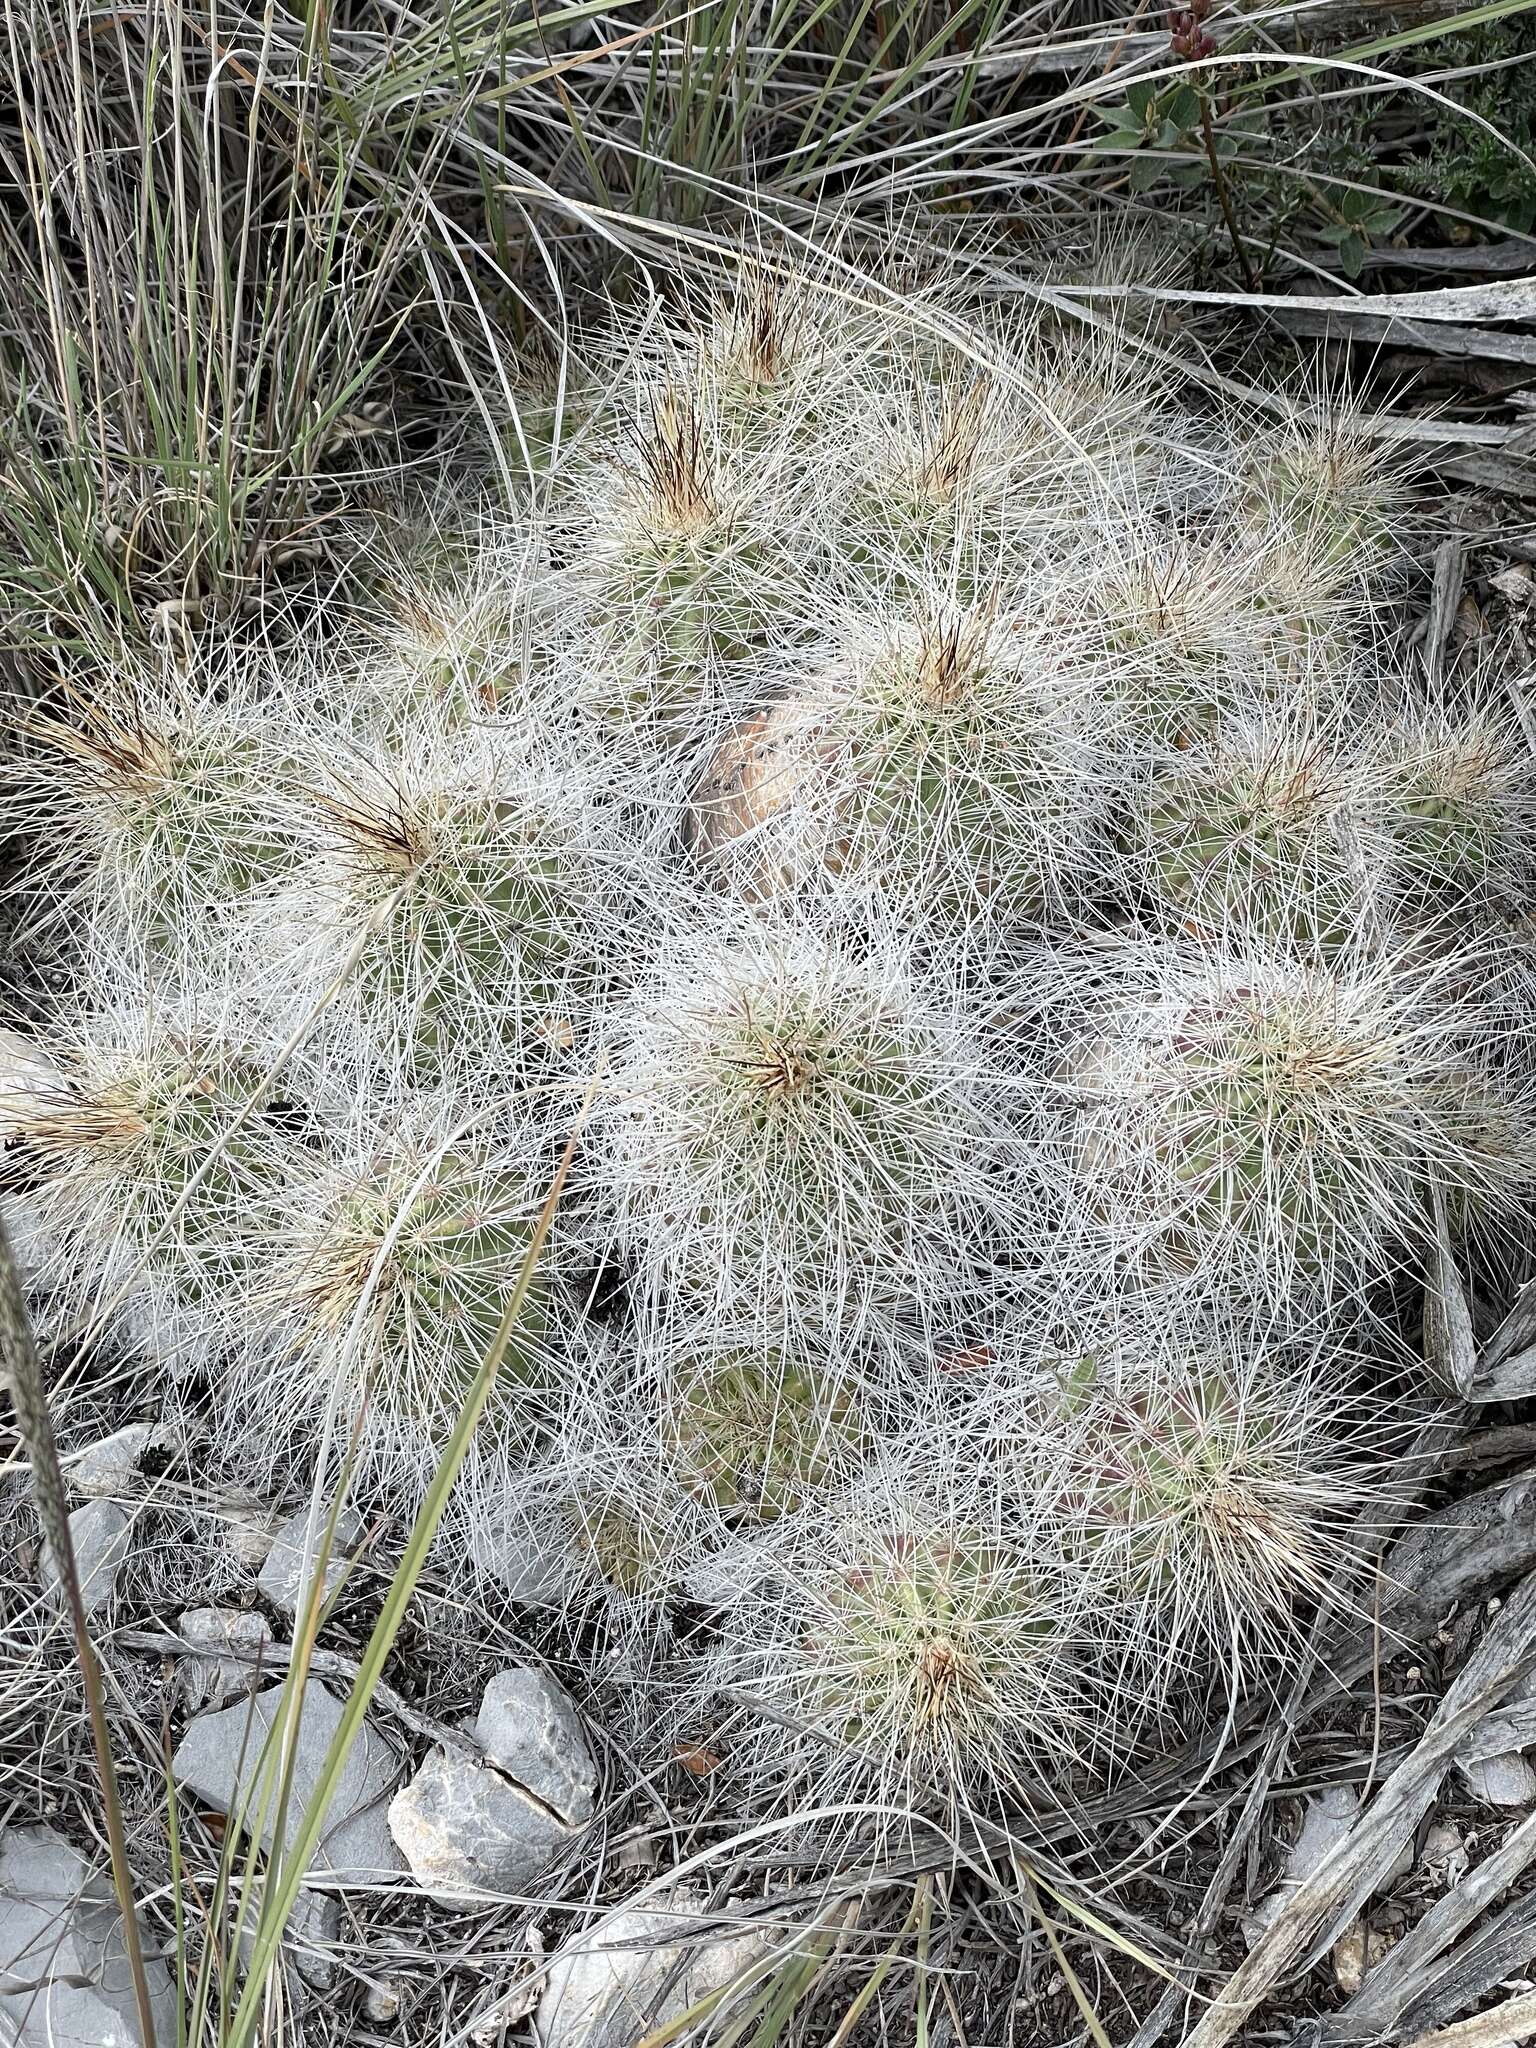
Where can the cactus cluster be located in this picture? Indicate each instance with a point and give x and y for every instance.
(933, 797)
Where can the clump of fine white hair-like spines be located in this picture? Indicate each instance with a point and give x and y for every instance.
(161, 798)
(919, 1648)
(468, 891)
(1206, 1476)
(596, 1526)
(159, 1127)
(1457, 803)
(1329, 492)
(387, 1268)
(801, 1136)
(456, 621)
(984, 443)
(467, 642)
(1102, 427)
(938, 474)
(938, 810)
(1199, 622)
(769, 340)
(938, 753)
(1259, 1122)
(1169, 611)
(671, 548)
(1262, 823)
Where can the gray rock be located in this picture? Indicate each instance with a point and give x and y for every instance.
(64, 1979)
(1506, 1780)
(529, 1728)
(1328, 1819)
(469, 1833)
(98, 1534)
(532, 1567)
(248, 1533)
(220, 1759)
(473, 1827)
(312, 1930)
(216, 1631)
(110, 1466)
(283, 1578)
(600, 1993)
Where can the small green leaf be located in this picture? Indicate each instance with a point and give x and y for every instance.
(1182, 108)
(1139, 99)
(1122, 138)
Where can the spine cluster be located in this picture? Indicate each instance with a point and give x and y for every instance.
(935, 802)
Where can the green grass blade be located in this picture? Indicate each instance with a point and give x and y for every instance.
(1388, 45)
(283, 1886)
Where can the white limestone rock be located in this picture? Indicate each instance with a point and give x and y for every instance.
(283, 1579)
(636, 1971)
(99, 1535)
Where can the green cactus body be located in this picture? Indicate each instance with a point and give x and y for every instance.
(924, 1635)
(785, 1120)
(788, 1066)
(942, 758)
(928, 772)
(1457, 805)
(737, 803)
(189, 808)
(1159, 1467)
(1177, 619)
(1201, 1488)
(1250, 1153)
(433, 1287)
(1255, 843)
(1447, 841)
(635, 1555)
(935, 494)
(158, 1145)
(449, 649)
(759, 354)
(758, 1435)
(1333, 492)
(1231, 1116)
(206, 823)
(680, 571)
(485, 923)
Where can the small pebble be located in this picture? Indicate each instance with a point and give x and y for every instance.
(381, 2002)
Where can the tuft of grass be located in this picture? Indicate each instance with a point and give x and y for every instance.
(208, 280)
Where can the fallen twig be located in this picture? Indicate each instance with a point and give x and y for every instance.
(1325, 1904)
